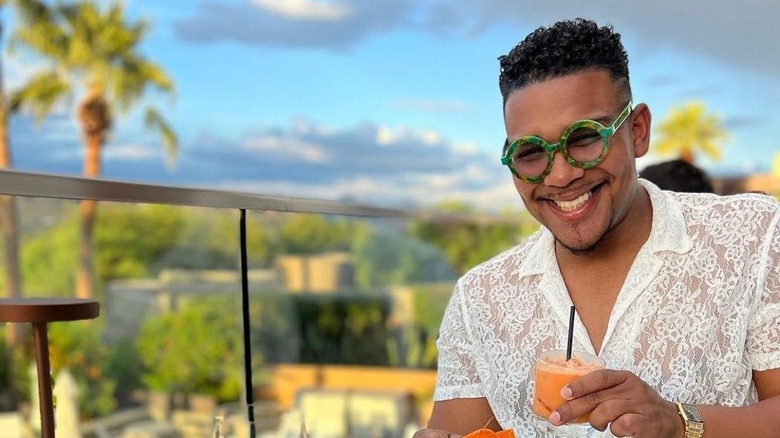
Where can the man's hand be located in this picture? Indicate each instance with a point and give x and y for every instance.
(620, 398)
(434, 433)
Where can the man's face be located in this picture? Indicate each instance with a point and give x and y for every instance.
(580, 207)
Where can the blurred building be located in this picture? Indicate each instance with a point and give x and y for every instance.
(768, 183)
(316, 273)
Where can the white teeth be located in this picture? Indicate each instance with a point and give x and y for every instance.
(573, 204)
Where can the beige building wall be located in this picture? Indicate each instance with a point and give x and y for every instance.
(317, 273)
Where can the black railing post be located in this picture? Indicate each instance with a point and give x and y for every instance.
(249, 389)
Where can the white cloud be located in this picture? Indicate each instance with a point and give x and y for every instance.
(741, 34)
(291, 148)
(416, 191)
(311, 153)
(295, 23)
(305, 9)
(303, 159)
(133, 152)
(430, 138)
(384, 136)
(264, 143)
(365, 162)
(467, 148)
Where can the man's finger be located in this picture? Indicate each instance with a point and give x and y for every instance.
(595, 381)
(627, 425)
(602, 406)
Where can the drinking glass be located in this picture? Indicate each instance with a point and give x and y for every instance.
(553, 372)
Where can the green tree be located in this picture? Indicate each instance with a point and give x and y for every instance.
(93, 53)
(209, 240)
(383, 258)
(130, 238)
(472, 239)
(49, 258)
(688, 130)
(342, 329)
(129, 241)
(313, 233)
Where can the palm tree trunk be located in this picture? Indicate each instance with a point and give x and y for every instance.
(9, 224)
(687, 155)
(85, 274)
(8, 221)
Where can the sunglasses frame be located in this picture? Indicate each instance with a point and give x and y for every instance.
(605, 132)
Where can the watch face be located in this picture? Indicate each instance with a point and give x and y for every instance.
(692, 413)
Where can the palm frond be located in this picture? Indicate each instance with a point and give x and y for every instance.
(689, 129)
(32, 11)
(39, 95)
(131, 78)
(154, 122)
(42, 38)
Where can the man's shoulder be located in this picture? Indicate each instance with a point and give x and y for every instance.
(716, 207)
(742, 217)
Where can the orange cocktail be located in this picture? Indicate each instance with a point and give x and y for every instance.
(553, 372)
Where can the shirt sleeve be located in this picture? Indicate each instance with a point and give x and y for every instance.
(763, 337)
(457, 371)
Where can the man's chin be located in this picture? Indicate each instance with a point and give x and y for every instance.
(582, 251)
(579, 248)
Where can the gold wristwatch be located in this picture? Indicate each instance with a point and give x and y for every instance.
(694, 423)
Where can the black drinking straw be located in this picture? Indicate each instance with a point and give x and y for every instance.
(571, 334)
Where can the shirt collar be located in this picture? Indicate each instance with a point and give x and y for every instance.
(669, 232)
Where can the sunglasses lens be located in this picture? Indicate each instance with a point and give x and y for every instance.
(529, 159)
(584, 144)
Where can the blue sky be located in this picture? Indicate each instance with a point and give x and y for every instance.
(395, 102)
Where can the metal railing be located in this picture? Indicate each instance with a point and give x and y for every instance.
(42, 185)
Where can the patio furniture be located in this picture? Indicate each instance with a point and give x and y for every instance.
(39, 312)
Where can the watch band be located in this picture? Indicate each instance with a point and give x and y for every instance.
(694, 424)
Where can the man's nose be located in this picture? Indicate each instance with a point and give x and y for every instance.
(562, 172)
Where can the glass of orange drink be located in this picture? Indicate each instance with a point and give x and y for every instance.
(553, 372)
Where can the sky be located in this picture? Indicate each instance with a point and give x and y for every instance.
(394, 102)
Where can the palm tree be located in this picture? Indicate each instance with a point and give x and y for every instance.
(689, 129)
(92, 53)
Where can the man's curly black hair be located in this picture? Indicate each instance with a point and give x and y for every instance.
(563, 48)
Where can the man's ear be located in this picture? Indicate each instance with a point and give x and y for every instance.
(640, 129)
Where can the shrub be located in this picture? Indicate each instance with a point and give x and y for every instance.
(77, 346)
(197, 349)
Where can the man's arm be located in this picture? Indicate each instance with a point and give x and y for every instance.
(758, 420)
(459, 417)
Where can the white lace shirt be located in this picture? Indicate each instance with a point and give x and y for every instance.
(698, 311)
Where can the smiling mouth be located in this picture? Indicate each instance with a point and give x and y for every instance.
(574, 204)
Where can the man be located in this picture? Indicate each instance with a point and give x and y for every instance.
(678, 293)
(679, 176)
